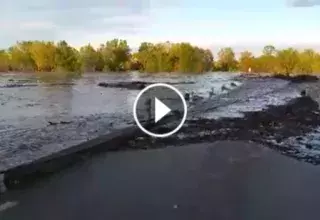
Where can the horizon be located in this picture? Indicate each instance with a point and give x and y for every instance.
(248, 25)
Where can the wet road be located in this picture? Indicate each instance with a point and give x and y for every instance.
(222, 180)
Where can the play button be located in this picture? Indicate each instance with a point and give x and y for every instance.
(160, 110)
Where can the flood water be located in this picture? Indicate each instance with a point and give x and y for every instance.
(81, 109)
(32, 102)
(39, 117)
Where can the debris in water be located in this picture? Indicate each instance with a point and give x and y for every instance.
(65, 122)
(58, 122)
(233, 84)
(187, 96)
(52, 123)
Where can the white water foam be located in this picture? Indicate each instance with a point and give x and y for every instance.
(251, 98)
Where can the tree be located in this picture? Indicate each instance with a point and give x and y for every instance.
(226, 59)
(306, 61)
(116, 54)
(288, 59)
(144, 46)
(269, 50)
(208, 60)
(67, 58)
(246, 61)
(43, 55)
(141, 57)
(21, 59)
(316, 64)
(90, 59)
(4, 61)
(173, 57)
(187, 58)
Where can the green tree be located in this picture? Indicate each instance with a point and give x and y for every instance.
(145, 46)
(246, 61)
(316, 64)
(187, 58)
(43, 55)
(21, 59)
(142, 56)
(67, 59)
(269, 50)
(208, 60)
(116, 54)
(306, 62)
(4, 61)
(226, 59)
(90, 59)
(173, 57)
(288, 59)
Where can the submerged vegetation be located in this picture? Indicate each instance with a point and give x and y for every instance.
(116, 56)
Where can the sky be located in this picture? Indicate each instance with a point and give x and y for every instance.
(241, 24)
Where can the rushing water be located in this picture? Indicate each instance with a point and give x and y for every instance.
(82, 97)
(81, 110)
(78, 108)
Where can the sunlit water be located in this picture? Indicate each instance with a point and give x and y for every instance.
(90, 111)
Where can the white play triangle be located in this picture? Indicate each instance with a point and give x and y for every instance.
(161, 110)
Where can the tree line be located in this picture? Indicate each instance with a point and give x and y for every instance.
(116, 56)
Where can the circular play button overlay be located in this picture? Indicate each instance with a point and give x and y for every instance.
(160, 106)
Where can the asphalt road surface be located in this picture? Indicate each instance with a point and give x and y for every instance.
(222, 180)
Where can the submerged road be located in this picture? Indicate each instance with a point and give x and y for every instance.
(222, 180)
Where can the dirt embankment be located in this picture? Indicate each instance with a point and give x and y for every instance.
(271, 127)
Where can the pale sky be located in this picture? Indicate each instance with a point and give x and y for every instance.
(243, 24)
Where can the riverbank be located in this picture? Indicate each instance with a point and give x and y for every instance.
(241, 180)
(272, 127)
